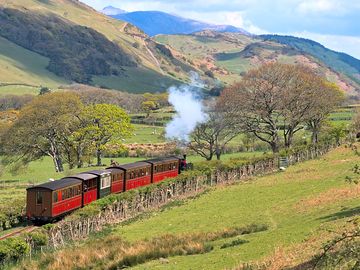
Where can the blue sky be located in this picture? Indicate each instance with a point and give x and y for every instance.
(334, 23)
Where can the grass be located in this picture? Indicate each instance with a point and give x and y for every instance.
(270, 200)
(137, 81)
(275, 200)
(146, 134)
(19, 90)
(18, 65)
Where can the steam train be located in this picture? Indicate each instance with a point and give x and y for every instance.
(53, 200)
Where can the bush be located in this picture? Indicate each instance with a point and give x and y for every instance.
(12, 214)
(38, 238)
(235, 242)
(13, 249)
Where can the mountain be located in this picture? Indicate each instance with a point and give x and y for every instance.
(340, 62)
(56, 43)
(59, 42)
(155, 22)
(111, 11)
(228, 56)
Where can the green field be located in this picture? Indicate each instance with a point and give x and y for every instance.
(298, 205)
(137, 81)
(279, 200)
(18, 65)
(146, 134)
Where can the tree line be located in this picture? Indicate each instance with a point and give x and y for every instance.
(60, 126)
(271, 103)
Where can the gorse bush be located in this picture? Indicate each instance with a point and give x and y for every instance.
(13, 249)
(12, 213)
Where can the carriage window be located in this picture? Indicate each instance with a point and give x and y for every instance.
(64, 194)
(105, 181)
(39, 197)
(55, 197)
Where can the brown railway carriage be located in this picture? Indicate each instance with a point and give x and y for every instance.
(136, 174)
(53, 199)
(163, 168)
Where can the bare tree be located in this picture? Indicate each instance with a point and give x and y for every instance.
(210, 138)
(329, 96)
(256, 101)
(279, 96)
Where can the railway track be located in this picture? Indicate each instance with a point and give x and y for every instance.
(17, 232)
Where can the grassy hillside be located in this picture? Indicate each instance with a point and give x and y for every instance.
(340, 62)
(299, 206)
(229, 55)
(131, 42)
(19, 65)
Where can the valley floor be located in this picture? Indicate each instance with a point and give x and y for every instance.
(299, 205)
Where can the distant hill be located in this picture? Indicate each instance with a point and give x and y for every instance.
(340, 62)
(155, 22)
(228, 56)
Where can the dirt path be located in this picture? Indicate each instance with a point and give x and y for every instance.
(17, 232)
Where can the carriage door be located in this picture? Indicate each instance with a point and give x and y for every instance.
(39, 201)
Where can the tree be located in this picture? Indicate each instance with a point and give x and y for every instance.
(40, 129)
(280, 96)
(256, 102)
(149, 106)
(104, 123)
(328, 97)
(211, 137)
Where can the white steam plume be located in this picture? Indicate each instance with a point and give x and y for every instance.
(189, 109)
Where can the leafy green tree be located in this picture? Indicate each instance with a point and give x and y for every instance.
(40, 129)
(149, 106)
(104, 124)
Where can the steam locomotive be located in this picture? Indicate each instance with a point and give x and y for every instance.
(52, 200)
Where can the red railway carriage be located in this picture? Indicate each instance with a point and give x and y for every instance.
(89, 186)
(50, 200)
(136, 174)
(163, 168)
(117, 179)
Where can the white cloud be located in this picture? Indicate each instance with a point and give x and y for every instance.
(235, 18)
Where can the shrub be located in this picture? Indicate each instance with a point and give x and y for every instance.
(235, 242)
(38, 238)
(13, 249)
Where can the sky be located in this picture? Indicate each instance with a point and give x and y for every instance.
(333, 23)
